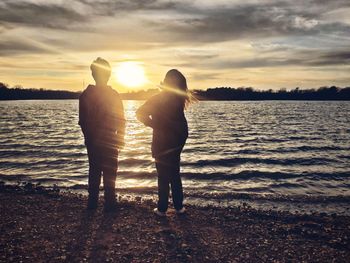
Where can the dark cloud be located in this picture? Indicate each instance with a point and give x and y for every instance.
(112, 8)
(342, 56)
(64, 16)
(10, 48)
(38, 15)
(326, 4)
(183, 59)
(203, 76)
(256, 63)
(331, 58)
(258, 20)
(309, 58)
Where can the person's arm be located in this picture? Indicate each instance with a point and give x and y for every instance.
(144, 114)
(121, 124)
(82, 116)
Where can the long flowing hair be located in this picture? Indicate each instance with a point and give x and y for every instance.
(175, 82)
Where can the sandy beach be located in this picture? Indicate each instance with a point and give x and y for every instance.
(39, 225)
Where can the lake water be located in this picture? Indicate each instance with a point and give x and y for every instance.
(258, 152)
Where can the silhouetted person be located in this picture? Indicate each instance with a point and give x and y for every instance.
(165, 114)
(101, 117)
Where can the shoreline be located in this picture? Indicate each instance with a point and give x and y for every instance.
(294, 204)
(40, 224)
(200, 100)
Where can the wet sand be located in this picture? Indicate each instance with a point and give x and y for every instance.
(40, 225)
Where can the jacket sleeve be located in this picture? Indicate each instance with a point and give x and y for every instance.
(144, 113)
(82, 116)
(120, 122)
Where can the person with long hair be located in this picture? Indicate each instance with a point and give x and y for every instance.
(164, 113)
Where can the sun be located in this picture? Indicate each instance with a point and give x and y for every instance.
(130, 74)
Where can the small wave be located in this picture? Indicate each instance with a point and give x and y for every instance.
(248, 151)
(229, 162)
(134, 161)
(42, 163)
(39, 154)
(137, 175)
(243, 175)
(49, 180)
(270, 197)
(321, 148)
(291, 149)
(347, 157)
(272, 140)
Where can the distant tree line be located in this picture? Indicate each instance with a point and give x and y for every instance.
(19, 93)
(220, 93)
(139, 95)
(228, 93)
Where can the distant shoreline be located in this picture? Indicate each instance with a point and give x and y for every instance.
(135, 99)
(339, 100)
(332, 93)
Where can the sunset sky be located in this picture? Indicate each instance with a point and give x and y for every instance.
(264, 44)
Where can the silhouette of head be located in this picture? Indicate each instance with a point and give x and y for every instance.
(101, 71)
(176, 80)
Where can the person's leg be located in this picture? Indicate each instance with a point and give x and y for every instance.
(109, 177)
(110, 167)
(176, 183)
(163, 185)
(94, 177)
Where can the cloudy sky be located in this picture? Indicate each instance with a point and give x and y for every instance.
(264, 44)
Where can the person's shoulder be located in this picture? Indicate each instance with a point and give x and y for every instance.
(89, 88)
(112, 92)
(157, 98)
(87, 91)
